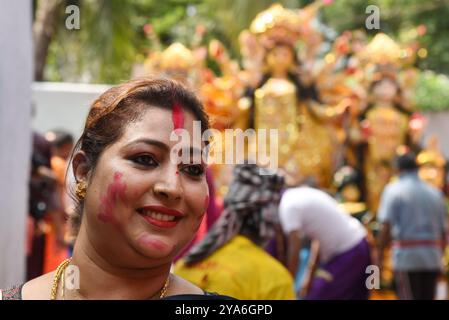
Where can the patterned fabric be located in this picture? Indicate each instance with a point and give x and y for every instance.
(250, 208)
(14, 293)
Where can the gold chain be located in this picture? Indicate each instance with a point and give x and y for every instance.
(59, 275)
(164, 288)
(59, 271)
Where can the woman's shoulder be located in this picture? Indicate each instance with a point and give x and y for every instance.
(38, 288)
(182, 286)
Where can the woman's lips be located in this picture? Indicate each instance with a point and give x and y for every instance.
(161, 216)
(160, 223)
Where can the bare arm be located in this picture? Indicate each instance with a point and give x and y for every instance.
(294, 246)
(311, 267)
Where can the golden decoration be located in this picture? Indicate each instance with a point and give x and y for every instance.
(432, 164)
(382, 50)
(59, 276)
(59, 271)
(176, 57)
(81, 189)
(275, 16)
(277, 24)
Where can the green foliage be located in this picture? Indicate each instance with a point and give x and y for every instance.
(432, 92)
(397, 18)
(111, 38)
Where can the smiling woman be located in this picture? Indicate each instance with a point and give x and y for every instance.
(136, 209)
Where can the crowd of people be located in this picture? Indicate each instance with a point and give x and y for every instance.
(48, 240)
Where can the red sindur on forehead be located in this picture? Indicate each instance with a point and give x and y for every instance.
(177, 116)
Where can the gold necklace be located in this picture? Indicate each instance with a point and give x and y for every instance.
(59, 275)
(59, 271)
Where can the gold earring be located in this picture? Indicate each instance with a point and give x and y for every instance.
(81, 190)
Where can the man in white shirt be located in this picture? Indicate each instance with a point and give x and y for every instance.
(339, 245)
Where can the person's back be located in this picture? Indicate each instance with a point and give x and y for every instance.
(416, 213)
(340, 252)
(318, 216)
(242, 270)
(413, 215)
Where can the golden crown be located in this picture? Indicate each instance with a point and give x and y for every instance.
(382, 50)
(176, 56)
(275, 16)
(277, 24)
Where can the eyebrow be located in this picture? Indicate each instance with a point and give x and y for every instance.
(161, 145)
(150, 142)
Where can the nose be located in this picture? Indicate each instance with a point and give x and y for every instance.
(168, 187)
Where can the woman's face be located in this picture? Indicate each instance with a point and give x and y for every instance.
(140, 205)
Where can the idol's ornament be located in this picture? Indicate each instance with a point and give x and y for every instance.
(176, 62)
(342, 79)
(283, 92)
(432, 164)
(387, 119)
(220, 95)
(349, 195)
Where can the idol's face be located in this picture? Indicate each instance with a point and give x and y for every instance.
(351, 193)
(386, 89)
(280, 59)
(140, 204)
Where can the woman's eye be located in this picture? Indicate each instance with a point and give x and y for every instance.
(145, 160)
(194, 170)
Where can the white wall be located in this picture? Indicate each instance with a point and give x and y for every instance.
(438, 123)
(15, 136)
(63, 105)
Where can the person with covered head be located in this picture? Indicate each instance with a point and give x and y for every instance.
(231, 259)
